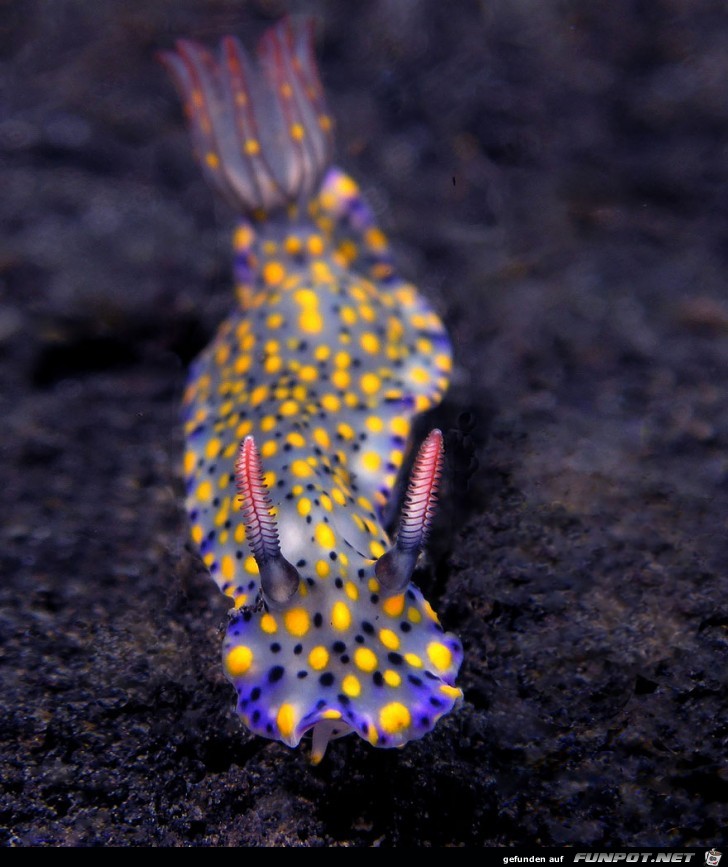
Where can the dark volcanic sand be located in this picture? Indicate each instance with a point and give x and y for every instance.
(554, 177)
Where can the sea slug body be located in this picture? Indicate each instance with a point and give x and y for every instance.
(298, 417)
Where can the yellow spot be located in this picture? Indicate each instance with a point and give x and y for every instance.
(372, 735)
(268, 624)
(391, 678)
(212, 160)
(297, 132)
(351, 590)
(331, 713)
(273, 364)
(419, 375)
(269, 478)
(275, 320)
(450, 691)
(375, 239)
(208, 559)
(303, 506)
(389, 639)
(239, 660)
(439, 655)
(292, 245)
(227, 566)
(346, 431)
(251, 566)
(286, 720)
(258, 395)
(288, 407)
(324, 535)
(222, 354)
(310, 321)
(394, 606)
(322, 568)
(413, 660)
(267, 423)
(413, 615)
(197, 534)
(341, 616)
(243, 237)
(369, 342)
(429, 611)
(321, 438)
(377, 549)
(190, 462)
(252, 147)
(273, 273)
(374, 424)
(318, 658)
(295, 439)
(394, 718)
(339, 496)
(204, 491)
(308, 373)
(315, 245)
(296, 621)
(331, 403)
(301, 469)
(350, 685)
(341, 379)
(240, 600)
(365, 659)
(371, 461)
(348, 315)
(269, 448)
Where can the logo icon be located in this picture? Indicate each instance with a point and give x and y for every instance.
(712, 858)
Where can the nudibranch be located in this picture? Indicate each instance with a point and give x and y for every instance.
(298, 416)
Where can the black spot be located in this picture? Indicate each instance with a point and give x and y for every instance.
(310, 582)
(338, 583)
(378, 679)
(435, 702)
(367, 627)
(326, 679)
(276, 673)
(238, 555)
(360, 573)
(332, 555)
(430, 676)
(317, 620)
(300, 563)
(414, 680)
(410, 594)
(243, 703)
(211, 535)
(256, 716)
(344, 699)
(395, 658)
(275, 647)
(255, 694)
(269, 728)
(338, 647)
(302, 674)
(298, 649)
(359, 639)
(405, 627)
(344, 659)
(424, 721)
(321, 703)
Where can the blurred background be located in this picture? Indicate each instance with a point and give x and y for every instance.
(553, 177)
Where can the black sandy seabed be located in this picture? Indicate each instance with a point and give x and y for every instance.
(553, 175)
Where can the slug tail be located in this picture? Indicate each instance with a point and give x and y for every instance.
(261, 130)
